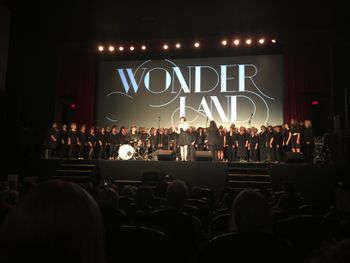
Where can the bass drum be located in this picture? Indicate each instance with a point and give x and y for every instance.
(126, 152)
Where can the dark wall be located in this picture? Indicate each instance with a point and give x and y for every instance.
(30, 95)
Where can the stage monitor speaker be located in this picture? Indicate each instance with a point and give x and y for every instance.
(166, 155)
(291, 157)
(204, 156)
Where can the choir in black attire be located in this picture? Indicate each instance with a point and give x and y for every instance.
(268, 145)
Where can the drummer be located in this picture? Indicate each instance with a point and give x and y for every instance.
(133, 136)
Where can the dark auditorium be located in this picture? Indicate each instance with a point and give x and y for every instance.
(174, 131)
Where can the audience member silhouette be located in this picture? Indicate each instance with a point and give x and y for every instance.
(56, 222)
(177, 194)
(251, 212)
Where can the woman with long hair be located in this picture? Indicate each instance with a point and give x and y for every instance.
(213, 138)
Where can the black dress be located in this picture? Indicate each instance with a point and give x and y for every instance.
(263, 149)
(50, 145)
(295, 129)
(73, 138)
(184, 138)
(83, 141)
(231, 145)
(242, 149)
(253, 147)
(221, 142)
(277, 146)
(286, 134)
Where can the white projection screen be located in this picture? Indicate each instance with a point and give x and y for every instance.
(154, 93)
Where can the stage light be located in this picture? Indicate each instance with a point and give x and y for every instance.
(224, 42)
(111, 48)
(261, 40)
(273, 40)
(314, 102)
(248, 41)
(196, 44)
(165, 47)
(132, 48)
(236, 42)
(121, 48)
(143, 47)
(72, 106)
(100, 48)
(178, 45)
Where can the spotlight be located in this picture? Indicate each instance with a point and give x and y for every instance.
(196, 44)
(261, 40)
(111, 48)
(236, 42)
(132, 48)
(165, 47)
(224, 42)
(248, 41)
(273, 40)
(121, 48)
(143, 47)
(100, 48)
(178, 45)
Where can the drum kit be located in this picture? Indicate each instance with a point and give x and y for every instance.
(136, 150)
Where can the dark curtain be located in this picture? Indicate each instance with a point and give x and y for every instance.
(307, 73)
(76, 77)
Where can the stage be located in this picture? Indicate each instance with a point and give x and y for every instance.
(317, 182)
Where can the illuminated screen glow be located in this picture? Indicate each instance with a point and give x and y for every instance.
(150, 93)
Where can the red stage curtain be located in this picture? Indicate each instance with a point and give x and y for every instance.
(76, 77)
(307, 73)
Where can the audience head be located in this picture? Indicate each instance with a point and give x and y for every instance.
(251, 212)
(177, 194)
(128, 191)
(56, 222)
(108, 198)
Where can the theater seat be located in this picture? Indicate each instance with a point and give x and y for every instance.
(248, 247)
(133, 243)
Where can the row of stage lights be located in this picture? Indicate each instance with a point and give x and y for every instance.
(237, 42)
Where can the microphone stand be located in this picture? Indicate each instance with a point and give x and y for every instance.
(250, 120)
